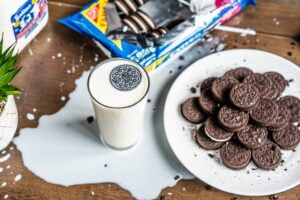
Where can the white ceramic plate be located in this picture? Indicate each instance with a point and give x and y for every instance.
(206, 165)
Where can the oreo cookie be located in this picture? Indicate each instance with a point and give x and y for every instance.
(155, 34)
(287, 138)
(267, 156)
(207, 83)
(222, 86)
(244, 96)
(132, 25)
(131, 5)
(278, 78)
(275, 91)
(122, 7)
(162, 30)
(282, 119)
(293, 104)
(207, 103)
(205, 142)
(141, 23)
(264, 113)
(232, 119)
(147, 19)
(235, 156)
(253, 136)
(215, 132)
(262, 82)
(190, 110)
(239, 73)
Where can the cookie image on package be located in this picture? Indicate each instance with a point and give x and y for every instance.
(235, 156)
(190, 110)
(239, 73)
(205, 142)
(268, 156)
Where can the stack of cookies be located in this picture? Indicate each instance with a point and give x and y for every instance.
(138, 20)
(244, 115)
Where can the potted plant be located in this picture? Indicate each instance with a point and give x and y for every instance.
(8, 109)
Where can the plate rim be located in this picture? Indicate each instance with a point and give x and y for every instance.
(168, 135)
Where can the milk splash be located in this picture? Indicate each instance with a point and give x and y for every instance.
(67, 144)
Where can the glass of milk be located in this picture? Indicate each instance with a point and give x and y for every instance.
(118, 88)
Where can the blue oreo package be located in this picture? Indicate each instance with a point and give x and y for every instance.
(91, 21)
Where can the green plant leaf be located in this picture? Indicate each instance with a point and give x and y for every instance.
(7, 77)
(3, 96)
(7, 53)
(10, 90)
(8, 65)
(1, 44)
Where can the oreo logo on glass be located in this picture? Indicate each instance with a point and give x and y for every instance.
(125, 77)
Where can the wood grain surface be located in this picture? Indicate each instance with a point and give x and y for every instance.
(58, 56)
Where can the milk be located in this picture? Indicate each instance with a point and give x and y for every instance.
(21, 21)
(118, 88)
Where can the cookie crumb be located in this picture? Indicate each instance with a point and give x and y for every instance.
(273, 197)
(176, 177)
(170, 72)
(105, 165)
(90, 119)
(193, 90)
(211, 155)
(149, 100)
(208, 187)
(180, 67)
(181, 57)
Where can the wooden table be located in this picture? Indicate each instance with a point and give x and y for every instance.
(277, 23)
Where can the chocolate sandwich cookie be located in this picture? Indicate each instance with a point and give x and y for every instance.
(132, 25)
(276, 77)
(205, 142)
(253, 136)
(239, 73)
(141, 23)
(215, 132)
(232, 119)
(207, 83)
(275, 91)
(282, 119)
(140, 2)
(293, 104)
(222, 86)
(267, 156)
(287, 138)
(244, 96)
(155, 34)
(131, 5)
(207, 103)
(162, 30)
(262, 82)
(122, 7)
(235, 156)
(264, 113)
(147, 19)
(191, 111)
